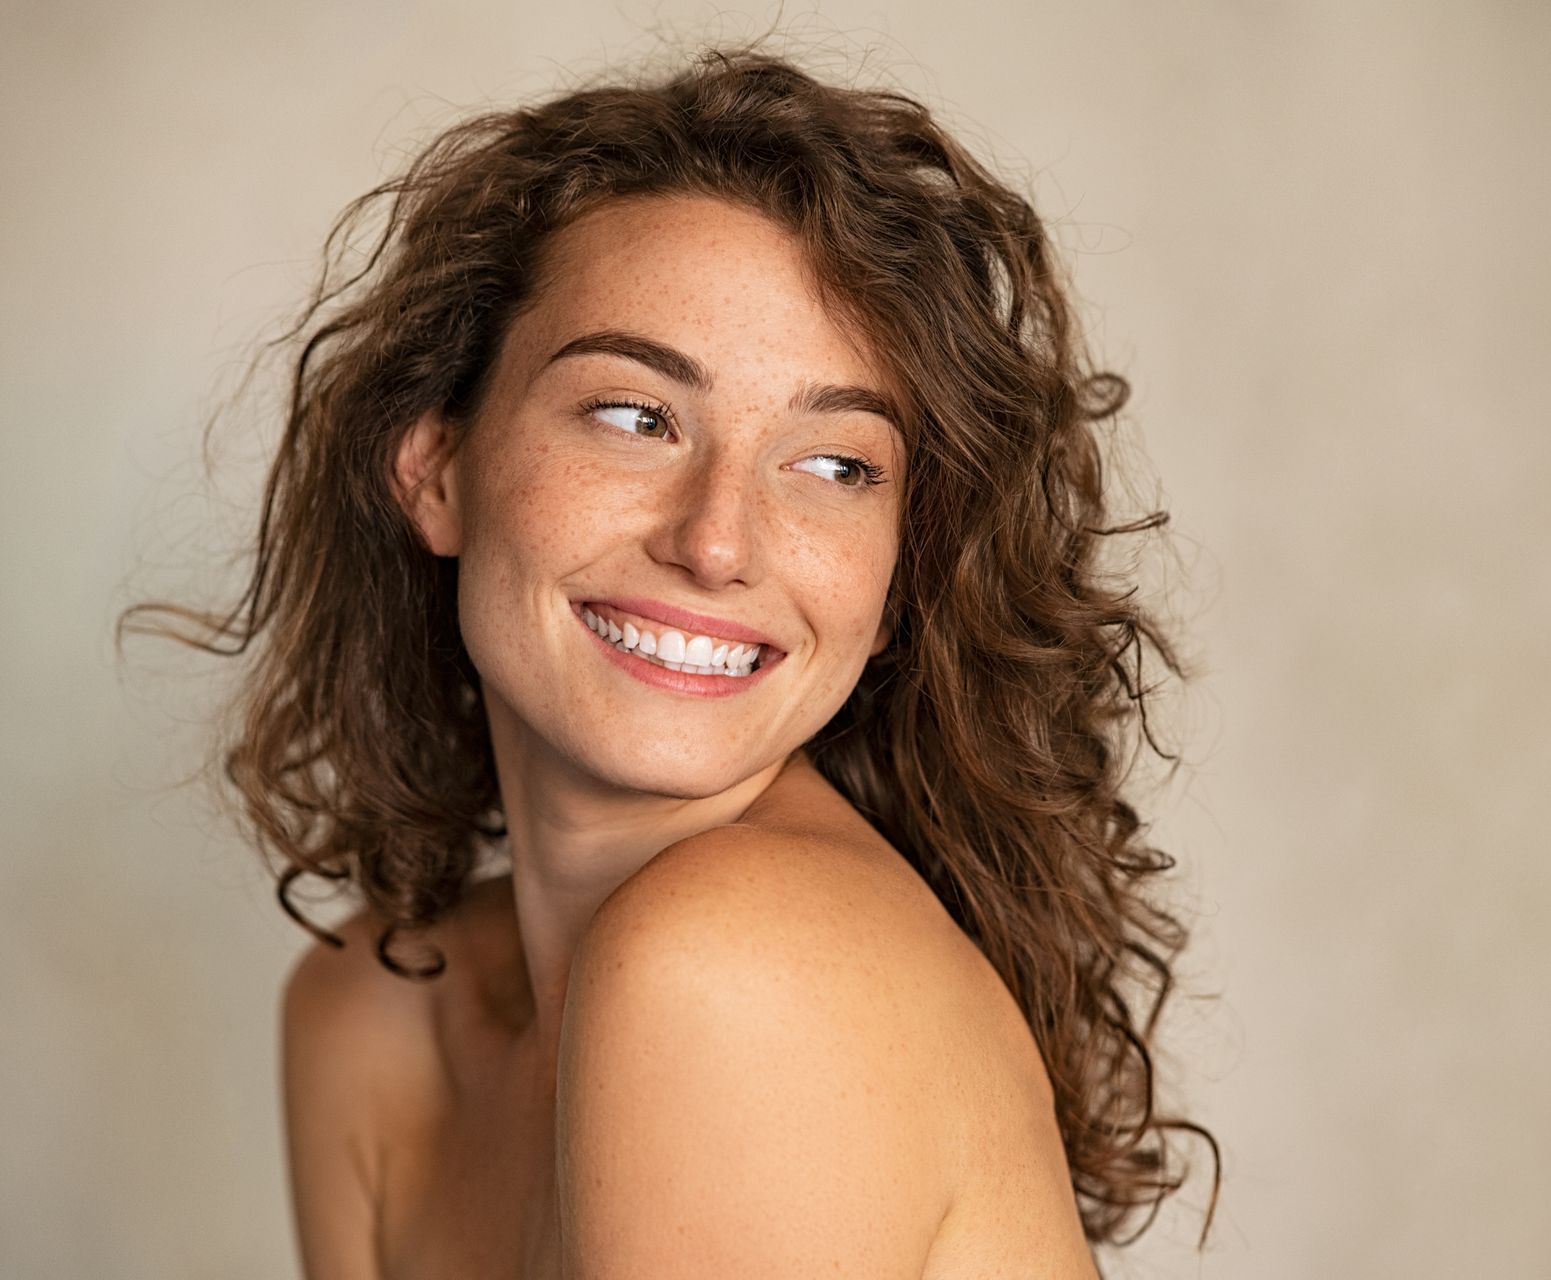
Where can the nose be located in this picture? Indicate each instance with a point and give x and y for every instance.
(710, 522)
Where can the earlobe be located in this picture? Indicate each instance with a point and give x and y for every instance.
(880, 641)
(425, 482)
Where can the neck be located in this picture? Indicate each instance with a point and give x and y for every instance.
(575, 838)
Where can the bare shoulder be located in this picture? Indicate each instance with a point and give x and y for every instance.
(360, 1059)
(814, 885)
(764, 887)
(798, 997)
(347, 997)
(811, 904)
(759, 1012)
(342, 1002)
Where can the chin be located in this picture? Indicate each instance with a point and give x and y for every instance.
(669, 774)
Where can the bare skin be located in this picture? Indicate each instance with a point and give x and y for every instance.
(456, 1124)
(740, 516)
(727, 495)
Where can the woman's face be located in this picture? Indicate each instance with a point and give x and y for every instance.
(671, 427)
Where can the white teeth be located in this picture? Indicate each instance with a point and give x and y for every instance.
(672, 650)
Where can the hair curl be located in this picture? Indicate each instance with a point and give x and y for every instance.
(984, 742)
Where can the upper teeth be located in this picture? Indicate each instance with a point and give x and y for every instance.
(703, 655)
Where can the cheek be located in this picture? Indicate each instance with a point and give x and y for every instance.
(531, 510)
(843, 572)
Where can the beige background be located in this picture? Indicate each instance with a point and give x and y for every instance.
(1313, 236)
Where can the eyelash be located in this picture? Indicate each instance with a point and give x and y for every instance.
(872, 474)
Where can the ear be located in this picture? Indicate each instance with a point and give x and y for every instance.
(881, 640)
(425, 482)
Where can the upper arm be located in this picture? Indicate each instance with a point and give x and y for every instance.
(738, 1088)
(337, 1022)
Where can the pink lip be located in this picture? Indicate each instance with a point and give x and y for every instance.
(694, 623)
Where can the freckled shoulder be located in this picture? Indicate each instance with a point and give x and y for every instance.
(793, 877)
(833, 891)
(820, 901)
(751, 1011)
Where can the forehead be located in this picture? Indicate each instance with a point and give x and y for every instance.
(716, 279)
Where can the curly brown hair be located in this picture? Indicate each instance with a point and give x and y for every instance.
(985, 743)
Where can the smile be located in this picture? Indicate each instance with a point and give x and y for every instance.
(749, 668)
(671, 649)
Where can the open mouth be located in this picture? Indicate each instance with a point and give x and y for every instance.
(671, 648)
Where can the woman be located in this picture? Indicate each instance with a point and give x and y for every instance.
(697, 486)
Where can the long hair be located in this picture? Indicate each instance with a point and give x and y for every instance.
(986, 742)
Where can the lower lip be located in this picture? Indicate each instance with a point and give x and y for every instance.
(679, 681)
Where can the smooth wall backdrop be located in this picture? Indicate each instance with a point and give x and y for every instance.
(1312, 235)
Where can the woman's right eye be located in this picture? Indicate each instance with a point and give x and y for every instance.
(633, 417)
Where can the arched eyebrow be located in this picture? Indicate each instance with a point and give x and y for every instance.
(678, 366)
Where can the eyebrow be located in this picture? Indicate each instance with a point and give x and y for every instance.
(680, 367)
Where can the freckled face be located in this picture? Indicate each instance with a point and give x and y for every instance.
(721, 498)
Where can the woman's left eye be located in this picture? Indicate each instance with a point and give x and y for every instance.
(869, 474)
